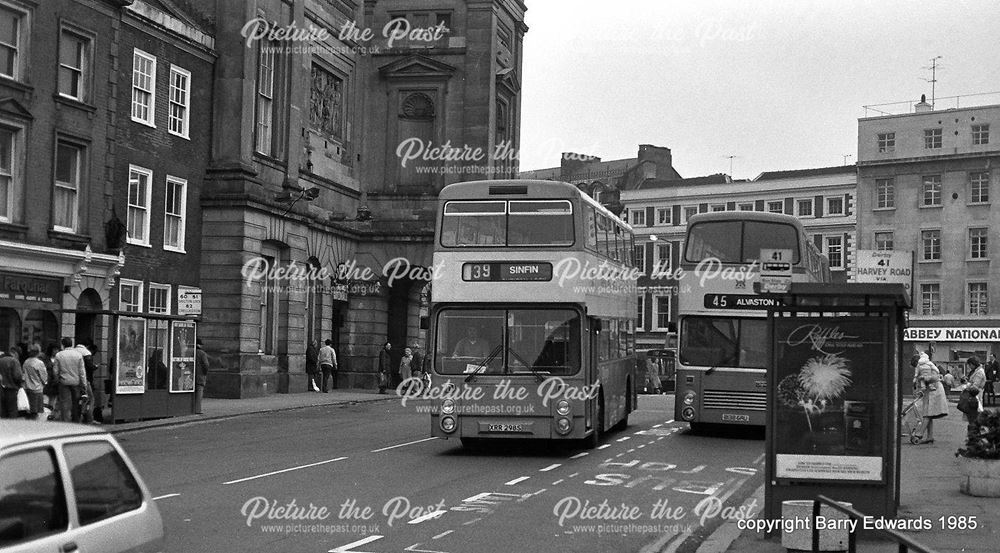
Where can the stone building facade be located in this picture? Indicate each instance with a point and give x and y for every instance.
(307, 173)
(928, 183)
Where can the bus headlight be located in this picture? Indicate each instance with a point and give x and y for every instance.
(448, 424)
(689, 398)
(563, 407)
(448, 406)
(687, 413)
(564, 426)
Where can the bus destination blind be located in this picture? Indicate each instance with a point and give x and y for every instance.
(739, 301)
(507, 272)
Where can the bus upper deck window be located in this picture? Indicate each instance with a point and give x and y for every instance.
(758, 235)
(474, 223)
(540, 223)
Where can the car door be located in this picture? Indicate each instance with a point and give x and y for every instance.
(110, 509)
(34, 514)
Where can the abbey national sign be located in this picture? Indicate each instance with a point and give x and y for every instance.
(956, 334)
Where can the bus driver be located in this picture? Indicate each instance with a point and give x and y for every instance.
(471, 345)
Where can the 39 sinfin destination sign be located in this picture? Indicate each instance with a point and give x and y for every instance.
(507, 272)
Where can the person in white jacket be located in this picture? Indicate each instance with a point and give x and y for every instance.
(927, 379)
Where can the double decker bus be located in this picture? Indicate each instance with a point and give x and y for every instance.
(532, 323)
(723, 351)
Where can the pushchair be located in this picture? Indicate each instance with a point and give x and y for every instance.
(913, 418)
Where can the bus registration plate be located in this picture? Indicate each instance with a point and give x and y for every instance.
(505, 427)
(732, 417)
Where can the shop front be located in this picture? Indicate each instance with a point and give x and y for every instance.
(951, 343)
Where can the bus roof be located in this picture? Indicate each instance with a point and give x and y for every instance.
(745, 216)
(517, 188)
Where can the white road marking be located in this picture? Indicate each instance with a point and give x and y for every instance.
(619, 455)
(550, 467)
(604, 446)
(348, 547)
(442, 534)
(428, 516)
(284, 470)
(760, 459)
(578, 455)
(640, 446)
(725, 535)
(623, 439)
(574, 474)
(401, 445)
(517, 480)
(166, 496)
(414, 549)
(631, 450)
(557, 482)
(669, 421)
(657, 425)
(473, 521)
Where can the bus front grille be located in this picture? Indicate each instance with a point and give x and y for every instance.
(732, 399)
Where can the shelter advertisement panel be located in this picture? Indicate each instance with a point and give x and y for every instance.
(829, 408)
(131, 343)
(182, 356)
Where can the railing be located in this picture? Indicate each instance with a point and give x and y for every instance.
(945, 102)
(905, 544)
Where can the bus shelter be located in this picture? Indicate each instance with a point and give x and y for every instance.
(151, 360)
(832, 411)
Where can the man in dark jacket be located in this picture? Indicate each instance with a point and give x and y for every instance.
(11, 380)
(201, 375)
(312, 364)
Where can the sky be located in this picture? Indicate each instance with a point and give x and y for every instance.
(777, 84)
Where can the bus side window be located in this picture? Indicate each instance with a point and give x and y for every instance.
(602, 235)
(602, 341)
(590, 226)
(616, 253)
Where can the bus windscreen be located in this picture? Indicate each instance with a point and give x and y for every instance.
(724, 342)
(508, 341)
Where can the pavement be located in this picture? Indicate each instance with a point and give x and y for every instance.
(928, 490)
(213, 408)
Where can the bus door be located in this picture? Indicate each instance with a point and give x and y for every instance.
(592, 371)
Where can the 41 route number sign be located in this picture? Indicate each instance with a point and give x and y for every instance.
(775, 271)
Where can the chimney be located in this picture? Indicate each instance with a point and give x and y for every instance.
(922, 106)
(661, 158)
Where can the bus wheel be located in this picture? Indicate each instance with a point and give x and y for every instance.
(594, 439)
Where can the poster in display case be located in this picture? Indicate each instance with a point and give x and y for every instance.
(182, 356)
(130, 346)
(828, 408)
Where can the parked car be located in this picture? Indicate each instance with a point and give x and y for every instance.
(70, 487)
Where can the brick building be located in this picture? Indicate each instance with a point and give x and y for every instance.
(822, 198)
(605, 180)
(306, 171)
(57, 154)
(927, 183)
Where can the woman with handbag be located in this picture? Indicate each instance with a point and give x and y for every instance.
(927, 379)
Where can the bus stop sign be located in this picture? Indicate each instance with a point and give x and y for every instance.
(775, 271)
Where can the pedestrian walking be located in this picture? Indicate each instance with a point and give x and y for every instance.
(927, 379)
(992, 372)
(384, 367)
(36, 376)
(11, 380)
(201, 374)
(72, 377)
(975, 386)
(328, 364)
(406, 367)
(652, 376)
(312, 364)
(52, 388)
(86, 408)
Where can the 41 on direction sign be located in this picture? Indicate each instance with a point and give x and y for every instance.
(775, 271)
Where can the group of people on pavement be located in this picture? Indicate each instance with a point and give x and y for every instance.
(322, 367)
(60, 378)
(321, 361)
(929, 380)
